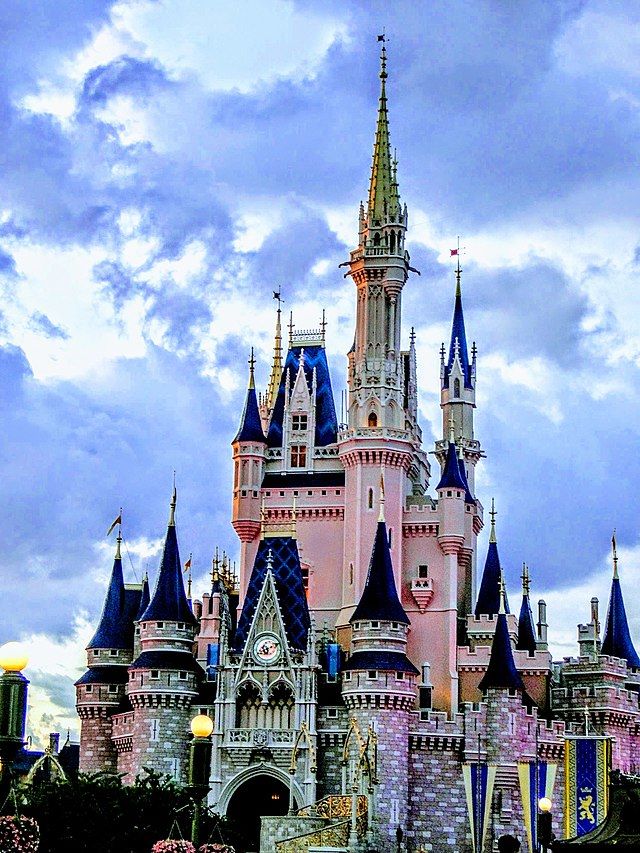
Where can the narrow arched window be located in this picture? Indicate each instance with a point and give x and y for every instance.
(390, 538)
(370, 500)
(376, 240)
(373, 420)
(351, 574)
(456, 387)
(393, 241)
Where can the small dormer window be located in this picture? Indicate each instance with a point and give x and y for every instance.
(298, 456)
(96, 652)
(299, 423)
(113, 652)
(160, 625)
(373, 420)
(375, 624)
(182, 676)
(155, 674)
(89, 688)
(423, 572)
(372, 673)
(180, 626)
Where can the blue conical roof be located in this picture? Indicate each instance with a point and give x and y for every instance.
(169, 601)
(250, 425)
(459, 342)
(115, 630)
(379, 599)
(526, 629)
(488, 602)
(451, 477)
(617, 640)
(501, 672)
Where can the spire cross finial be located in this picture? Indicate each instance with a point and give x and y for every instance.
(174, 501)
(381, 514)
(412, 338)
(615, 554)
(525, 579)
(493, 513)
(269, 560)
(291, 328)
(119, 537)
(323, 325)
(383, 55)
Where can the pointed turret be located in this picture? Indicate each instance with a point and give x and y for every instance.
(384, 198)
(617, 640)
(526, 630)
(379, 599)
(458, 343)
(501, 673)
(468, 497)
(250, 429)
(169, 602)
(115, 630)
(488, 601)
(451, 477)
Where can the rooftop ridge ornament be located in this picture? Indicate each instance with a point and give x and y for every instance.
(172, 505)
(614, 553)
(493, 513)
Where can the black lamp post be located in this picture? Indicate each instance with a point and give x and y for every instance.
(399, 837)
(13, 709)
(199, 769)
(545, 832)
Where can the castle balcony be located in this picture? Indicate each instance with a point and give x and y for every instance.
(374, 433)
(267, 738)
(422, 592)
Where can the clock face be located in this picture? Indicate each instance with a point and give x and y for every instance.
(266, 648)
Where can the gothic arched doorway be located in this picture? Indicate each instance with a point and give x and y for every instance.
(260, 795)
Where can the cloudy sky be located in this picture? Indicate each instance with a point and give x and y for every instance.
(164, 165)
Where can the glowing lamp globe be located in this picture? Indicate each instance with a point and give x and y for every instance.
(13, 657)
(544, 804)
(201, 726)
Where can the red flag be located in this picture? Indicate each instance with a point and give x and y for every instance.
(187, 565)
(117, 521)
(453, 252)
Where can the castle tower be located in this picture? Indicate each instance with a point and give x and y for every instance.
(249, 446)
(164, 678)
(379, 683)
(458, 389)
(488, 601)
(101, 690)
(382, 391)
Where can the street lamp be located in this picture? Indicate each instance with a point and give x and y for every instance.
(13, 707)
(545, 833)
(199, 769)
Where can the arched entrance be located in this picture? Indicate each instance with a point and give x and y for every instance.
(259, 795)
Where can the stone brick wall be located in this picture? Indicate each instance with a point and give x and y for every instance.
(161, 735)
(437, 819)
(96, 750)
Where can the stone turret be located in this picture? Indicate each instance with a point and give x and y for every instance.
(100, 692)
(164, 678)
(379, 682)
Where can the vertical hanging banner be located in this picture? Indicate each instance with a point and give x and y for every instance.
(532, 791)
(478, 785)
(587, 761)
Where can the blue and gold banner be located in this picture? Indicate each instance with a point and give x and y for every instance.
(536, 781)
(478, 785)
(587, 761)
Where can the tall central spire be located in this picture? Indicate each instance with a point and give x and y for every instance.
(384, 199)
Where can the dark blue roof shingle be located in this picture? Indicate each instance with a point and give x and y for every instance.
(115, 629)
(315, 357)
(284, 564)
(451, 477)
(488, 602)
(459, 341)
(501, 672)
(379, 659)
(169, 601)
(250, 425)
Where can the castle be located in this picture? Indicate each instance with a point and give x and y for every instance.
(357, 653)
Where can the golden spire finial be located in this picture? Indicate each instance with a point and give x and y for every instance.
(276, 367)
(252, 364)
(215, 566)
(384, 199)
(174, 501)
(493, 513)
(381, 514)
(615, 554)
(118, 541)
